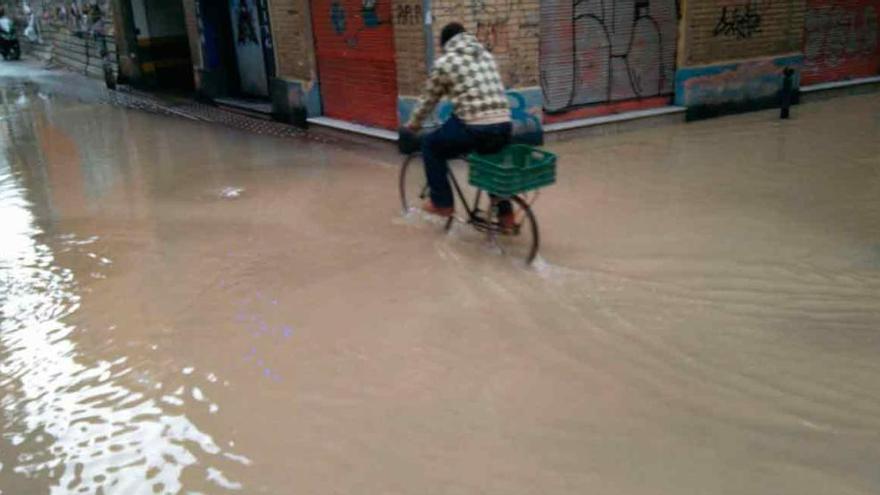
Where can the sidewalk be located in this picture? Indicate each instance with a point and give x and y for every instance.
(322, 129)
(63, 82)
(325, 130)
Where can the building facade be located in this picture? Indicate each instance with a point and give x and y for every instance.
(364, 61)
(74, 33)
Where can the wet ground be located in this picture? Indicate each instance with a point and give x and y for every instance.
(187, 308)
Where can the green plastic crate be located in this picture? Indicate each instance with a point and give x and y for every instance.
(516, 169)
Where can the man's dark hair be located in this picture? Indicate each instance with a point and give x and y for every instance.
(450, 31)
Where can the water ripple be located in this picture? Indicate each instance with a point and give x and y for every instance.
(81, 426)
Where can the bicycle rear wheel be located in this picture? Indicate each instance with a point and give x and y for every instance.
(522, 239)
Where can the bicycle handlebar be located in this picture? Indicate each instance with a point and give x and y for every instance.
(409, 142)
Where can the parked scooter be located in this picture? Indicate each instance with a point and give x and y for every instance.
(9, 46)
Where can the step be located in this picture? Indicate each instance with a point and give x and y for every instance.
(614, 123)
(81, 43)
(252, 108)
(349, 127)
(553, 132)
(95, 72)
(93, 51)
(823, 91)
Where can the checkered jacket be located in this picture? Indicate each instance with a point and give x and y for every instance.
(467, 75)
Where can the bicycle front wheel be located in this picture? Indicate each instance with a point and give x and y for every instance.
(520, 240)
(412, 183)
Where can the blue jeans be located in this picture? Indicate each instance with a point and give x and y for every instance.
(453, 139)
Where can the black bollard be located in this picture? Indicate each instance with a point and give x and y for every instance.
(785, 96)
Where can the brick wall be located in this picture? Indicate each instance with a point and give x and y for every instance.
(509, 28)
(409, 43)
(841, 40)
(735, 53)
(724, 30)
(291, 33)
(192, 32)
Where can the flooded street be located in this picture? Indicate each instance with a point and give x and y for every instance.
(187, 308)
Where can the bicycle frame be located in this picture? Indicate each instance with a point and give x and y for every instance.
(473, 210)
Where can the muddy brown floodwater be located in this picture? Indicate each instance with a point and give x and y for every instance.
(190, 309)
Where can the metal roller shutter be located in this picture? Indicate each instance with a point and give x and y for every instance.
(841, 40)
(595, 52)
(355, 50)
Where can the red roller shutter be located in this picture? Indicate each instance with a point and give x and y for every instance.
(841, 40)
(355, 50)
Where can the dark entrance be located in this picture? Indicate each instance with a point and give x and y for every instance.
(162, 43)
(239, 57)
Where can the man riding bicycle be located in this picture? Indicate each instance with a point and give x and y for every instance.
(468, 76)
(6, 24)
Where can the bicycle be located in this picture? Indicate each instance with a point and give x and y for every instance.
(520, 239)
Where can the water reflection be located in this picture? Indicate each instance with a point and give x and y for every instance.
(706, 310)
(72, 423)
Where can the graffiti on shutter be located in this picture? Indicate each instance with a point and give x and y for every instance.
(597, 51)
(249, 53)
(841, 40)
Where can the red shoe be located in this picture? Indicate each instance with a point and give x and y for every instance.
(507, 222)
(430, 207)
